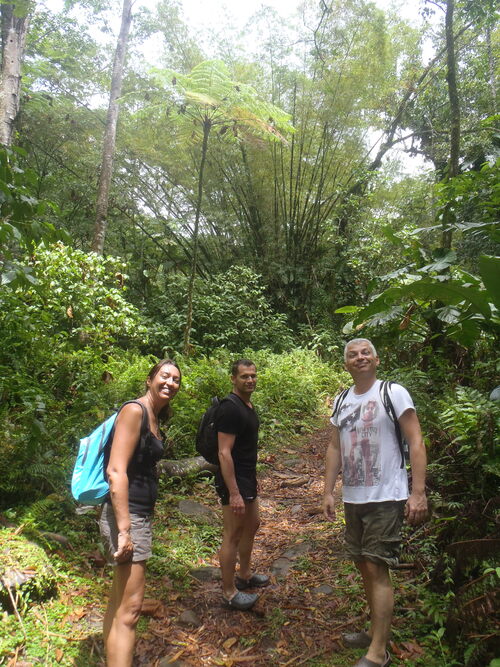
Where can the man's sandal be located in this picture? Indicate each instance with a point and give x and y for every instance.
(364, 662)
(255, 581)
(241, 601)
(356, 639)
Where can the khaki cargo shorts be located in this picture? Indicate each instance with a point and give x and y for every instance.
(373, 531)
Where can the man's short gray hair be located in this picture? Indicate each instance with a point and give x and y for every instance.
(360, 340)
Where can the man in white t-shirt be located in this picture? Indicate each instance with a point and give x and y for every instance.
(374, 487)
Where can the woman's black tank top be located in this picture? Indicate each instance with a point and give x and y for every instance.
(141, 471)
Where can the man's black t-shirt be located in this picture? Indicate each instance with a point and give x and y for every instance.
(243, 422)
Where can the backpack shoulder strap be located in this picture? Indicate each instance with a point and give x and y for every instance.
(384, 389)
(144, 432)
(145, 418)
(235, 401)
(340, 399)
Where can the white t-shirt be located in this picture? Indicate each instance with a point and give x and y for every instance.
(371, 458)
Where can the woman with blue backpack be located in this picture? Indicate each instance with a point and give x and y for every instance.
(133, 449)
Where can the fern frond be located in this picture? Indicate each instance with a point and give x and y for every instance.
(478, 612)
(485, 650)
(473, 550)
(476, 603)
(40, 508)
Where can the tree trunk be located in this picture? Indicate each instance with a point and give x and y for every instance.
(439, 342)
(14, 31)
(491, 68)
(108, 150)
(207, 125)
(451, 78)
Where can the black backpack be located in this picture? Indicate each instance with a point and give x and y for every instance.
(206, 437)
(389, 408)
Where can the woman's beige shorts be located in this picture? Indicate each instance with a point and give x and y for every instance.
(140, 533)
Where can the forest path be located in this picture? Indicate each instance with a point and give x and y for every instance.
(312, 598)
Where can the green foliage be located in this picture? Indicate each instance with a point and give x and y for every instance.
(22, 222)
(230, 310)
(458, 546)
(41, 420)
(208, 93)
(55, 338)
(325, 342)
(489, 268)
(473, 424)
(464, 475)
(291, 388)
(435, 299)
(82, 297)
(464, 471)
(78, 301)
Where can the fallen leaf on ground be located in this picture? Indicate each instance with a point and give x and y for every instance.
(407, 650)
(152, 607)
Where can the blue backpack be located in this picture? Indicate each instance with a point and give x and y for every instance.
(88, 484)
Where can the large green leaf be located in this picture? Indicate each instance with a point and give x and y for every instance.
(449, 314)
(489, 268)
(209, 87)
(441, 263)
(465, 333)
(451, 292)
(389, 315)
(347, 309)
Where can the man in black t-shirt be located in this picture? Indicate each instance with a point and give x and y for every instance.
(236, 483)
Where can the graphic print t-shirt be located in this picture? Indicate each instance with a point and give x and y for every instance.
(371, 458)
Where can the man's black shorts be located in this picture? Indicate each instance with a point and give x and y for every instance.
(246, 485)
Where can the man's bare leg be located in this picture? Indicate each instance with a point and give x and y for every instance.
(233, 527)
(245, 546)
(380, 597)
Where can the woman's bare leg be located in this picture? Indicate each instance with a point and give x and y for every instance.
(122, 614)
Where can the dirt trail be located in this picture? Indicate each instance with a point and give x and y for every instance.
(309, 602)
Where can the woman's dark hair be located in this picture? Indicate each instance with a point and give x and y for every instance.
(166, 412)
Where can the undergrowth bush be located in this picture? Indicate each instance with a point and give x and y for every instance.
(57, 333)
(293, 388)
(291, 391)
(78, 299)
(40, 427)
(80, 388)
(230, 310)
(464, 475)
(466, 464)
